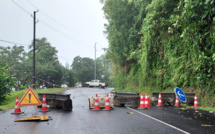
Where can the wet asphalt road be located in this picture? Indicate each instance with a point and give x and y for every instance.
(156, 120)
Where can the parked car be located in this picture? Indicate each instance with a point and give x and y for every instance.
(96, 83)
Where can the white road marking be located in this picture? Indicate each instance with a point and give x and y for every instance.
(159, 121)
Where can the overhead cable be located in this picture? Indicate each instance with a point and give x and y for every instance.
(63, 34)
(57, 22)
(13, 42)
(21, 7)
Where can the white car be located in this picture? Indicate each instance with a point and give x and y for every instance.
(96, 83)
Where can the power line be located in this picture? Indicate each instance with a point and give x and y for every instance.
(56, 30)
(21, 7)
(57, 22)
(63, 34)
(42, 22)
(101, 46)
(13, 42)
(32, 4)
(64, 58)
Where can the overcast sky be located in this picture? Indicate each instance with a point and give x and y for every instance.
(71, 26)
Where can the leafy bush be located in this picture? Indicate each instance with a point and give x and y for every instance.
(6, 82)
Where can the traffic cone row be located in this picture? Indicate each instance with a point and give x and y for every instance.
(195, 101)
(144, 101)
(107, 104)
(17, 109)
(177, 104)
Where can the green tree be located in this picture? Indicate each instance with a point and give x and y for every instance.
(104, 70)
(47, 65)
(6, 82)
(83, 69)
(125, 19)
(70, 79)
(15, 58)
(122, 31)
(161, 44)
(48, 69)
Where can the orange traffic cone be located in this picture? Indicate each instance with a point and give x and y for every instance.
(17, 109)
(159, 100)
(142, 102)
(149, 101)
(177, 102)
(195, 101)
(44, 105)
(96, 106)
(107, 104)
(146, 101)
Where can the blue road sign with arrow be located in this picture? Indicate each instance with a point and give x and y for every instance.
(180, 94)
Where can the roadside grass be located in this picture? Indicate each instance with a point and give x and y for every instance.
(209, 109)
(212, 109)
(10, 101)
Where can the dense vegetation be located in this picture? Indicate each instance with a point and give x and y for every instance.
(5, 83)
(49, 71)
(83, 69)
(162, 44)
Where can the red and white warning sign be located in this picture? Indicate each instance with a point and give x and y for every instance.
(29, 99)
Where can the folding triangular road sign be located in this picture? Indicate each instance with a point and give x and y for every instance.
(29, 99)
(32, 118)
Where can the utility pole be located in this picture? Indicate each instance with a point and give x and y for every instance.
(34, 35)
(95, 63)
